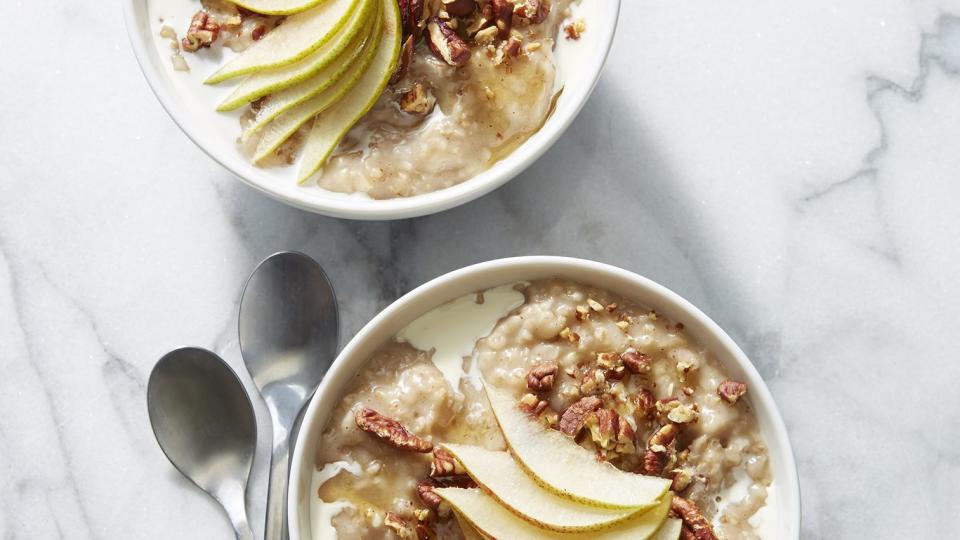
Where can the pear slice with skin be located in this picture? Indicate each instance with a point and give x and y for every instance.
(468, 530)
(330, 127)
(670, 530)
(277, 127)
(494, 520)
(315, 94)
(329, 61)
(566, 468)
(298, 36)
(500, 476)
(276, 7)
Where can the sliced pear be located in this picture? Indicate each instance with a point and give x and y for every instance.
(500, 476)
(330, 127)
(279, 127)
(315, 95)
(492, 519)
(566, 468)
(277, 7)
(326, 63)
(670, 530)
(468, 530)
(298, 36)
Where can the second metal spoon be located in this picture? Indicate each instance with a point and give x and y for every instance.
(204, 423)
(289, 332)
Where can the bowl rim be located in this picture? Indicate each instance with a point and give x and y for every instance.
(348, 363)
(398, 208)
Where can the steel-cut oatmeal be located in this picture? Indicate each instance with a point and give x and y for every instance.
(612, 375)
(476, 78)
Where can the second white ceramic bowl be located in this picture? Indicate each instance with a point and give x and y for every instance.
(490, 274)
(192, 105)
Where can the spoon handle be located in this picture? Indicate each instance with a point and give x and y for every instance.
(277, 490)
(235, 505)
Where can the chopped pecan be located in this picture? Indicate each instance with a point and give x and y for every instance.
(693, 519)
(645, 402)
(459, 8)
(533, 405)
(625, 438)
(574, 29)
(419, 100)
(540, 378)
(636, 362)
(390, 431)
(594, 382)
(654, 463)
(569, 335)
(661, 448)
(446, 44)
(683, 414)
(406, 57)
(444, 464)
(503, 15)
(481, 21)
(203, 31)
(667, 404)
(604, 425)
(534, 11)
(403, 529)
(411, 13)
(428, 495)
(573, 418)
(663, 438)
(425, 488)
(731, 391)
(681, 479)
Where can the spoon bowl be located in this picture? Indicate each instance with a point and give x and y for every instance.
(289, 332)
(205, 425)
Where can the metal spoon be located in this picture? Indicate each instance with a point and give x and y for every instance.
(289, 331)
(204, 422)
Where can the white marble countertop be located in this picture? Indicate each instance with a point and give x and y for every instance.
(793, 168)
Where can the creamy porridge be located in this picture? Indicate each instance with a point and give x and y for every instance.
(611, 375)
(473, 80)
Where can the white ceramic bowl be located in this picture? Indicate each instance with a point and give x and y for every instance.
(490, 274)
(192, 104)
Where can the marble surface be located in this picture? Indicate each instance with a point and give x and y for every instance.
(793, 168)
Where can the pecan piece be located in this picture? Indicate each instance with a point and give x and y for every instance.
(573, 418)
(731, 391)
(444, 464)
(419, 100)
(399, 525)
(428, 495)
(425, 488)
(482, 21)
(532, 405)
(390, 431)
(411, 13)
(645, 402)
(625, 438)
(692, 519)
(446, 44)
(459, 8)
(406, 57)
(503, 15)
(636, 362)
(534, 11)
(660, 449)
(202, 32)
(604, 425)
(540, 378)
